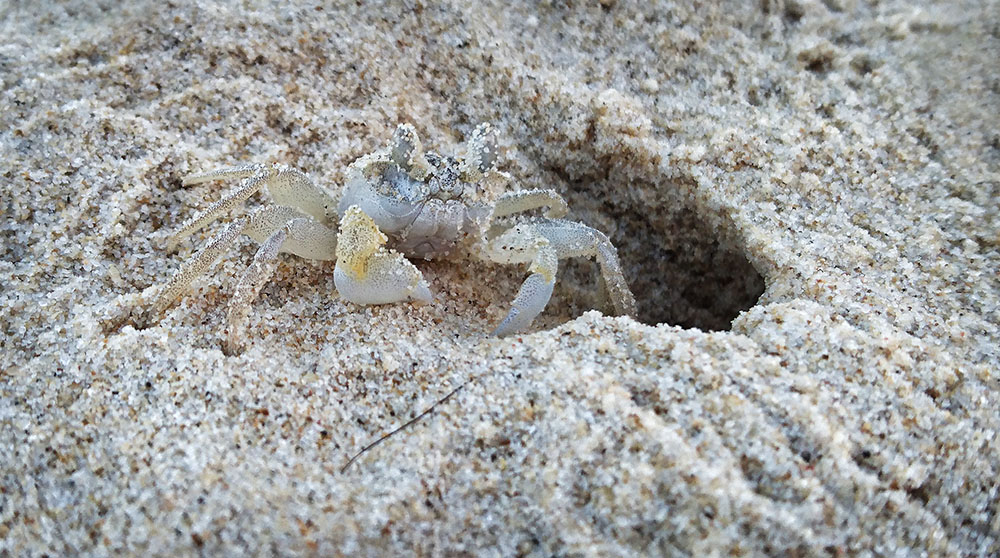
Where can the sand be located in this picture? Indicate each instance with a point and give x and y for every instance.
(804, 195)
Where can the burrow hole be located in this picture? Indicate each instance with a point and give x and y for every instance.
(681, 271)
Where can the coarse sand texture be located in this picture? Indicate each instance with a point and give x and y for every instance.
(805, 200)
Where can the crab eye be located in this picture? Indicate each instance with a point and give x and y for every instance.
(404, 146)
(483, 147)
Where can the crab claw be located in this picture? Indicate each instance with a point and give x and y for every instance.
(367, 273)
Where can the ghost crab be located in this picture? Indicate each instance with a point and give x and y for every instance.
(422, 204)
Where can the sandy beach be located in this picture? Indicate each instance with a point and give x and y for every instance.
(804, 194)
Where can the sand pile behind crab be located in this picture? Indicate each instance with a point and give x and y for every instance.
(804, 196)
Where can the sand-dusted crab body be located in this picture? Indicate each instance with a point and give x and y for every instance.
(423, 205)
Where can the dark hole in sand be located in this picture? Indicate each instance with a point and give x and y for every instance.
(681, 271)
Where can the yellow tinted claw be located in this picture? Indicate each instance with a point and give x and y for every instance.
(367, 273)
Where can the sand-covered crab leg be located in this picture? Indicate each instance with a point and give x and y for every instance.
(542, 242)
(279, 229)
(287, 187)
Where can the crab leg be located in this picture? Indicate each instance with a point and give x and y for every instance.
(611, 269)
(299, 235)
(202, 260)
(307, 238)
(209, 214)
(249, 285)
(542, 242)
(533, 295)
(526, 243)
(293, 187)
(526, 200)
(574, 239)
(242, 171)
(289, 187)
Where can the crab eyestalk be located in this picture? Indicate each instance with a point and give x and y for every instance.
(481, 153)
(405, 150)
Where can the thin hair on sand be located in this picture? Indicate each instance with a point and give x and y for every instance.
(405, 425)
